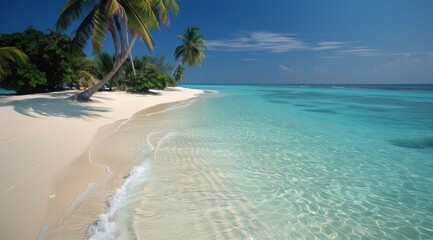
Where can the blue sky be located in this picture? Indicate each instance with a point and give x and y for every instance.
(284, 41)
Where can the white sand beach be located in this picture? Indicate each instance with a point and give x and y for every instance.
(41, 138)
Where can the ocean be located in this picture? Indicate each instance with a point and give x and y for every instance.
(6, 92)
(281, 162)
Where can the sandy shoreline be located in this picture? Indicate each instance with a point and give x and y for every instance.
(44, 144)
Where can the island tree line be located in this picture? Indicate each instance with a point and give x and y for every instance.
(54, 61)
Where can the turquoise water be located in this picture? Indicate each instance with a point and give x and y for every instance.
(6, 92)
(289, 162)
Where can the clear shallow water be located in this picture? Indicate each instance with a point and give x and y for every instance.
(287, 162)
(6, 92)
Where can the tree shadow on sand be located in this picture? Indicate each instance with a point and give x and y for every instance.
(54, 105)
(172, 89)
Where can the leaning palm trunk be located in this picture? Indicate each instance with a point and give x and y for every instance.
(85, 95)
(175, 67)
(130, 56)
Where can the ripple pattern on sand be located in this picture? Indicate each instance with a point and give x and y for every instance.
(254, 164)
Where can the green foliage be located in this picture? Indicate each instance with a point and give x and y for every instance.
(170, 82)
(103, 64)
(158, 61)
(84, 70)
(147, 78)
(98, 17)
(140, 62)
(50, 66)
(190, 52)
(30, 77)
(8, 55)
(179, 73)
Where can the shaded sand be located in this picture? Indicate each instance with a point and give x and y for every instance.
(45, 145)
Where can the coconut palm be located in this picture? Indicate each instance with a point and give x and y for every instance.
(179, 73)
(104, 63)
(10, 54)
(117, 17)
(191, 50)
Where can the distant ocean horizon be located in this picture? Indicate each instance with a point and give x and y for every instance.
(282, 162)
(406, 86)
(390, 86)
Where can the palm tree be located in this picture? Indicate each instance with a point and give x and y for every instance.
(135, 17)
(179, 73)
(10, 54)
(104, 63)
(191, 50)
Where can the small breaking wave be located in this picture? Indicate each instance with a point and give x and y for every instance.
(107, 225)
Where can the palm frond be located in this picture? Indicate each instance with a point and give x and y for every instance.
(10, 54)
(171, 5)
(179, 51)
(105, 62)
(161, 13)
(140, 16)
(101, 23)
(161, 10)
(191, 51)
(72, 11)
(83, 32)
(113, 7)
(113, 33)
(119, 29)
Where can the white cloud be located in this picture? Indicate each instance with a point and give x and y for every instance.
(286, 68)
(361, 52)
(321, 70)
(327, 46)
(258, 41)
(401, 62)
(273, 42)
(268, 42)
(394, 64)
(364, 51)
(329, 57)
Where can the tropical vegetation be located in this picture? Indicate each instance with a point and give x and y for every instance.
(148, 72)
(178, 73)
(118, 18)
(8, 55)
(159, 61)
(149, 77)
(191, 51)
(42, 62)
(104, 63)
(50, 67)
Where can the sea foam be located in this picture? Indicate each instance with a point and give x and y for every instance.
(107, 225)
(112, 224)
